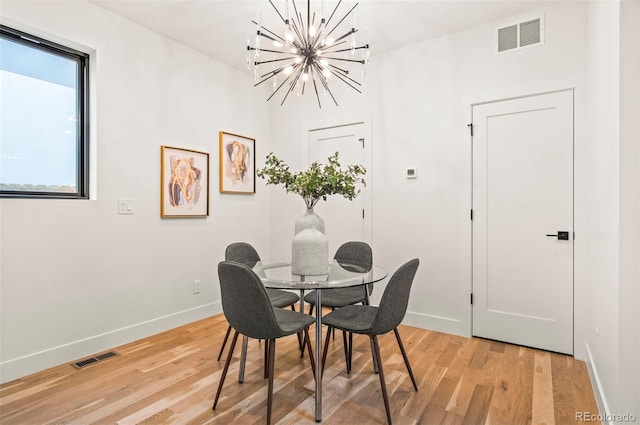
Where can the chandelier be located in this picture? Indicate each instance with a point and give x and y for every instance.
(312, 54)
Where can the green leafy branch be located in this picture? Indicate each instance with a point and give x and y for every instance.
(317, 182)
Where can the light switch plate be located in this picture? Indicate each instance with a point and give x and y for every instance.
(125, 206)
(412, 173)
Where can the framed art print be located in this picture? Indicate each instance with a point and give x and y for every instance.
(237, 164)
(184, 183)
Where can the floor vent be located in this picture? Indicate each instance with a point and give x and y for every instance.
(519, 35)
(92, 360)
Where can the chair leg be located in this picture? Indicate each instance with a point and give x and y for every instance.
(308, 344)
(226, 336)
(243, 358)
(326, 348)
(350, 351)
(272, 355)
(226, 368)
(300, 338)
(406, 359)
(333, 332)
(376, 347)
(345, 344)
(267, 343)
(303, 342)
(373, 354)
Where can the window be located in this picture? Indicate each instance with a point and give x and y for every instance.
(44, 120)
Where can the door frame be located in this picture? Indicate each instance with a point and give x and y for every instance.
(498, 98)
(341, 121)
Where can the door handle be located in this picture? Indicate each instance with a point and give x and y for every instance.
(562, 236)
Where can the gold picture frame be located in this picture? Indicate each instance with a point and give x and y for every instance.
(184, 182)
(237, 164)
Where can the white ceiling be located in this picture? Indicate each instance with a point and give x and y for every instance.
(219, 28)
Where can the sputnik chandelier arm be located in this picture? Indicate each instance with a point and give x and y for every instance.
(307, 53)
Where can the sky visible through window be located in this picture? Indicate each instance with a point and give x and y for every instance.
(38, 117)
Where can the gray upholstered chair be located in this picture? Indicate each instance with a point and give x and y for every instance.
(249, 312)
(244, 253)
(374, 321)
(354, 254)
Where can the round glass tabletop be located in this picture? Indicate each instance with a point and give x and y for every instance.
(340, 274)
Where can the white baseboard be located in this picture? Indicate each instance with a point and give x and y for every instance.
(598, 390)
(436, 323)
(35, 362)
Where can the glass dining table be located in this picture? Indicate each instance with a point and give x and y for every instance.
(341, 274)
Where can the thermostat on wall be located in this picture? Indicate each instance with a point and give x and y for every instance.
(412, 173)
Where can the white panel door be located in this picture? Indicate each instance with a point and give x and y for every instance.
(344, 220)
(522, 194)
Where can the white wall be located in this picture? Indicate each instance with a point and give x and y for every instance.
(76, 277)
(629, 317)
(612, 271)
(600, 271)
(418, 101)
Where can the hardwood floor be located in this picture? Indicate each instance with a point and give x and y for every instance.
(171, 378)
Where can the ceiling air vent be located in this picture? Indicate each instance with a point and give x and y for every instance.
(507, 38)
(519, 35)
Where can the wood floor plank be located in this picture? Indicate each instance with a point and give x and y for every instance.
(523, 405)
(171, 378)
(582, 389)
(435, 411)
(564, 406)
(505, 385)
(479, 405)
(542, 405)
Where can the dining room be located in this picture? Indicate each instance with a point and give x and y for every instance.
(131, 267)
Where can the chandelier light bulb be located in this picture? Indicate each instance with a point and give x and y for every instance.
(288, 70)
(297, 59)
(305, 76)
(326, 73)
(312, 31)
(276, 43)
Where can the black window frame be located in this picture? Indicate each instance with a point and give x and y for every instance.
(82, 103)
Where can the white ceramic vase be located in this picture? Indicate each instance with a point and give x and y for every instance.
(310, 247)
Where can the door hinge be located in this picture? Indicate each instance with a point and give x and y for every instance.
(472, 214)
(470, 125)
(362, 141)
(471, 299)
